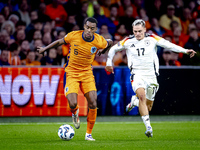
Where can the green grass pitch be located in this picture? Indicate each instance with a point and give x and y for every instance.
(108, 135)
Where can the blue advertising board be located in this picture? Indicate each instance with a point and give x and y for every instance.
(114, 91)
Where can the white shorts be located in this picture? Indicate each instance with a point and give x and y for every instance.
(150, 85)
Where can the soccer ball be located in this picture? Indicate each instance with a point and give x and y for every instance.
(66, 132)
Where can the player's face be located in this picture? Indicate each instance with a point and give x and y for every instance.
(89, 30)
(139, 32)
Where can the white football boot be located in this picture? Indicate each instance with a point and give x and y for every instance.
(75, 120)
(88, 137)
(131, 105)
(149, 132)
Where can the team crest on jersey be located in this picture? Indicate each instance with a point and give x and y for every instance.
(147, 42)
(93, 50)
(66, 89)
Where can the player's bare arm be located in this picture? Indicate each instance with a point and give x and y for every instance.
(110, 43)
(191, 52)
(52, 45)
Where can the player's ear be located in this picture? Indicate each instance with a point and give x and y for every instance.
(95, 29)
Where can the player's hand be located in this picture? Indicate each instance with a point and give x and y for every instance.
(191, 52)
(109, 69)
(40, 50)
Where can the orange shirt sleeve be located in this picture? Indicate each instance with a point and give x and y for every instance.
(68, 37)
(102, 42)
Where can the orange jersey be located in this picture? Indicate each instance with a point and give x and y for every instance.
(82, 52)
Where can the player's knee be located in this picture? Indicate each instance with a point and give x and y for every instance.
(72, 105)
(149, 107)
(92, 104)
(142, 97)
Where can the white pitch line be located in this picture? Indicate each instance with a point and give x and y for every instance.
(60, 123)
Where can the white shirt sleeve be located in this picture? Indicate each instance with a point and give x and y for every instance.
(173, 47)
(112, 52)
(156, 62)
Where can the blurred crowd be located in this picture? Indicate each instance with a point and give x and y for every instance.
(26, 24)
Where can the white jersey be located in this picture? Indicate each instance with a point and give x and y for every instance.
(142, 54)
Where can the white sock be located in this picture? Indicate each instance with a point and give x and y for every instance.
(134, 101)
(87, 134)
(146, 120)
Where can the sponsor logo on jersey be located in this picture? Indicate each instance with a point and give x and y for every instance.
(93, 50)
(147, 42)
(132, 45)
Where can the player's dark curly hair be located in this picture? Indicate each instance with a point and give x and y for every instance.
(91, 19)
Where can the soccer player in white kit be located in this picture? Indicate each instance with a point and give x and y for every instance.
(143, 63)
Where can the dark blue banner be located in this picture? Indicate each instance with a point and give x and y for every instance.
(114, 91)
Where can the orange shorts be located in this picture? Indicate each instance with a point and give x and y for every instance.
(85, 82)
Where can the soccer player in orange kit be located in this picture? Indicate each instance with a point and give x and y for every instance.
(84, 45)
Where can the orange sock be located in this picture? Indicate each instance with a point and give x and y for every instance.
(91, 118)
(73, 110)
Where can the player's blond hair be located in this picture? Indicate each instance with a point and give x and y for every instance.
(138, 22)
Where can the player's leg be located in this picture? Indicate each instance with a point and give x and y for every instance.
(139, 87)
(142, 101)
(92, 113)
(149, 104)
(146, 119)
(134, 99)
(72, 100)
(144, 111)
(151, 91)
(134, 102)
(71, 87)
(150, 95)
(88, 87)
(92, 110)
